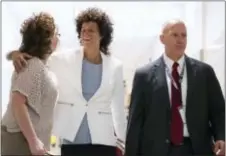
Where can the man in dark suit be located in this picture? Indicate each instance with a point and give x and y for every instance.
(177, 107)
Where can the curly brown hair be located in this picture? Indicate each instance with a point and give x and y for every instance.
(104, 24)
(37, 33)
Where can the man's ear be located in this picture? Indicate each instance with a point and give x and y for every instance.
(161, 37)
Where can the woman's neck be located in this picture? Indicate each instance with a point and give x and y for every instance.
(93, 56)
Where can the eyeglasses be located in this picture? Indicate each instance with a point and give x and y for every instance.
(58, 34)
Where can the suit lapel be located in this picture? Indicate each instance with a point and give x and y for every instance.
(76, 71)
(160, 78)
(191, 76)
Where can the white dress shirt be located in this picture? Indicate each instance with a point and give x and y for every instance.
(169, 64)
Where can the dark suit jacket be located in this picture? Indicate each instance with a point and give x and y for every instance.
(148, 129)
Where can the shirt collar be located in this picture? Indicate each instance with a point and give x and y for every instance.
(169, 62)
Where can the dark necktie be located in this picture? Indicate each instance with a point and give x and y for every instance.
(176, 127)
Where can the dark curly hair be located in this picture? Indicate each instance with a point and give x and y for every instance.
(104, 24)
(37, 33)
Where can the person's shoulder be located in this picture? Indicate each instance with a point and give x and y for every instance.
(115, 63)
(203, 66)
(35, 63)
(147, 68)
(63, 54)
(114, 60)
(35, 67)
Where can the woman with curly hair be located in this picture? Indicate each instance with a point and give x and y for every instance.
(90, 115)
(27, 124)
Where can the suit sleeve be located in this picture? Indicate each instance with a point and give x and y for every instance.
(136, 117)
(118, 109)
(216, 106)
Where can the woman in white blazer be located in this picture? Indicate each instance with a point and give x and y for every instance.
(90, 114)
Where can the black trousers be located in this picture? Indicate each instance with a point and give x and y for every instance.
(184, 149)
(88, 150)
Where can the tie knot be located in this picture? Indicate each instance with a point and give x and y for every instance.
(175, 65)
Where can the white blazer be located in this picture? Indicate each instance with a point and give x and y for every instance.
(105, 110)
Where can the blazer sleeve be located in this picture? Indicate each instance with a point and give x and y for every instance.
(216, 105)
(136, 116)
(118, 110)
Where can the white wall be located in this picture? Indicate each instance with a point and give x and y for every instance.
(214, 50)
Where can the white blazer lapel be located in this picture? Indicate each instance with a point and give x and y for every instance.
(105, 76)
(76, 71)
